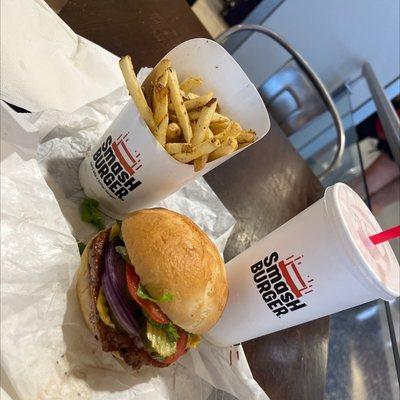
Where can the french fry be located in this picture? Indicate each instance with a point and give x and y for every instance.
(198, 102)
(203, 121)
(246, 137)
(136, 92)
(160, 102)
(189, 95)
(174, 133)
(173, 117)
(198, 151)
(219, 118)
(224, 134)
(180, 110)
(227, 147)
(148, 96)
(174, 148)
(216, 118)
(200, 162)
(201, 129)
(189, 126)
(164, 78)
(209, 135)
(218, 127)
(233, 130)
(161, 131)
(194, 103)
(154, 76)
(190, 83)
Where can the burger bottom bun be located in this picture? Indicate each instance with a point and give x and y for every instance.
(83, 290)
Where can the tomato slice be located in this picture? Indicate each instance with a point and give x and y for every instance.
(152, 309)
(180, 349)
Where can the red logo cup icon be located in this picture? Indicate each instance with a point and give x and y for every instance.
(290, 271)
(124, 156)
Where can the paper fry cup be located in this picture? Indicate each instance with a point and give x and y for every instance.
(130, 170)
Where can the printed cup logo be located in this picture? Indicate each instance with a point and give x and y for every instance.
(114, 165)
(280, 284)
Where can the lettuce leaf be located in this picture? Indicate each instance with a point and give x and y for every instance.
(144, 294)
(90, 213)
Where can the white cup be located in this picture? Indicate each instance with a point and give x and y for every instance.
(318, 263)
(130, 170)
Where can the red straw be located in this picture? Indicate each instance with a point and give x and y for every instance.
(384, 236)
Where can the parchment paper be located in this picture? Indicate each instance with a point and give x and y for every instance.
(47, 351)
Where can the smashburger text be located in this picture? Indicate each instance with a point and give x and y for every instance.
(107, 167)
(273, 288)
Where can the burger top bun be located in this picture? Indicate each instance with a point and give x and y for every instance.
(173, 255)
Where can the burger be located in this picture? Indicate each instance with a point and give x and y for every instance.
(150, 286)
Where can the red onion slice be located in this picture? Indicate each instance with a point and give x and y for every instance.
(114, 286)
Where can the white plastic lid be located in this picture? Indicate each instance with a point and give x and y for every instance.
(354, 223)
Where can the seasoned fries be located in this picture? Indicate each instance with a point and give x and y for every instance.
(160, 102)
(227, 147)
(154, 76)
(189, 126)
(200, 163)
(203, 122)
(198, 151)
(246, 137)
(161, 131)
(177, 101)
(201, 129)
(191, 83)
(209, 134)
(195, 102)
(216, 118)
(136, 92)
(232, 130)
(174, 148)
(198, 102)
(174, 133)
(189, 96)
(219, 127)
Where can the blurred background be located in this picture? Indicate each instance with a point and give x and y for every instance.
(353, 47)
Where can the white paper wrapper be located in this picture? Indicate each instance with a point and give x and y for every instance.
(44, 64)
(47, 352)
(129, 169)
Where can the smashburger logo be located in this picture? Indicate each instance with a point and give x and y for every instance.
(113, 165)
(280, 283)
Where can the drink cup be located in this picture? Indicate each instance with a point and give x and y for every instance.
(318, 263)
(129, 169)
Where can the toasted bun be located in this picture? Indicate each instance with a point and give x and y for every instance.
(82, 288)
(173, 255)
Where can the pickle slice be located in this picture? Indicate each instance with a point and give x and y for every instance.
(102, 309)
(193, 340)
(157, 336)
